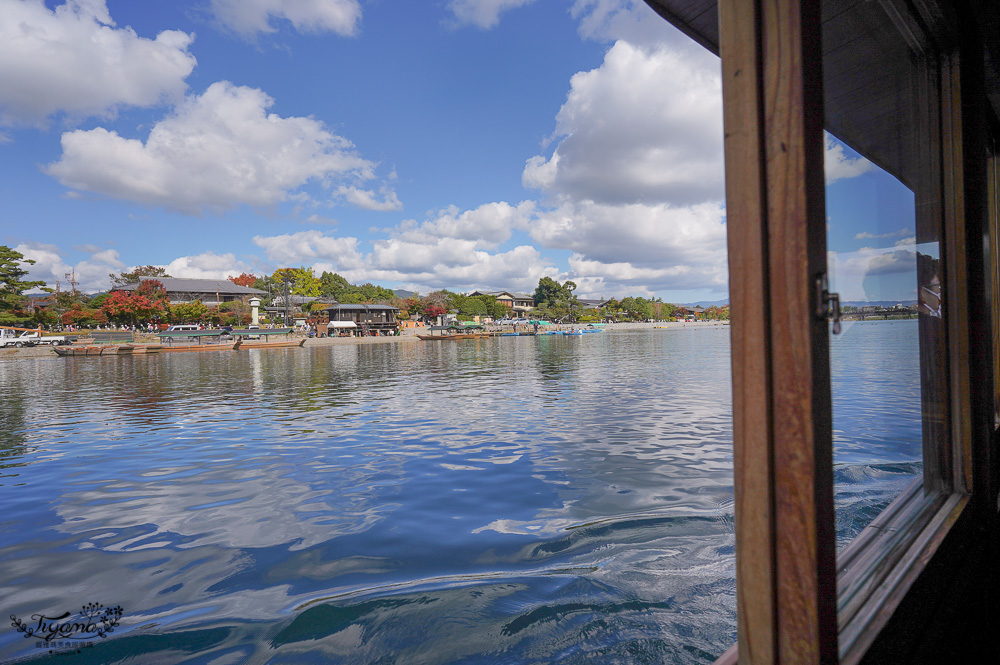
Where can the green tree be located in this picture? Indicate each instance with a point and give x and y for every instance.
(301, 282)
(12, 282)
(548, 291)
(133, 276)
(378, 294)
(556, 295)
(333, 285)
(188, 312)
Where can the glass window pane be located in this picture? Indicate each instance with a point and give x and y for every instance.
(993, 192)
(884, 279)
(884, 242)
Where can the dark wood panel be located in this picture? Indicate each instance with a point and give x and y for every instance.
(786, 586)
(756, 586)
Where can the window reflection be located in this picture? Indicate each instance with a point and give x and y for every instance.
(886, 281)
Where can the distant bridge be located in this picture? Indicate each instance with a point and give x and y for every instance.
(866, 313)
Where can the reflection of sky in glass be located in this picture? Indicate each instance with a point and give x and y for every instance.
(873, 259)
(887, 274)
(870, 231)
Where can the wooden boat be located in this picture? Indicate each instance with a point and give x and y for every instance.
(455, 332)
(240, 344)
(265, 338)
(147, 348)
(77, 350)
(448, 337)
(117, 350)
(193, 340)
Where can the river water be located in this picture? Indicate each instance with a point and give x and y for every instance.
(506, 500)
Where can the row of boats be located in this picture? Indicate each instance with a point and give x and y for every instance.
(475, 331)
(188, 341)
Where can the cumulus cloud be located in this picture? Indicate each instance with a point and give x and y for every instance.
(367, 199)
(483, 14)
(629, 20)
(454, 249)
(73, 59)
(646, 126)
(837, 165)
(865, 235)
(307, 247)
(595, 279)
(877, 274)
(634, 184)
(216, 151)
(207, 265)
(91, 274)
(249, 17)
(672, 247)
(487, 226)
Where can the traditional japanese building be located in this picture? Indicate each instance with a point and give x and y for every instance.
(211, 292)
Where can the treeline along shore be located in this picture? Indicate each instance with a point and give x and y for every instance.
(408, 335)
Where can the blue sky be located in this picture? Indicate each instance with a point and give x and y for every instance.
(454, 144)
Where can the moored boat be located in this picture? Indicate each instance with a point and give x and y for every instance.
(455, 332)
(265, 338)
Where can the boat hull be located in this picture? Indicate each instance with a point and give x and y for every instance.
(267, 345)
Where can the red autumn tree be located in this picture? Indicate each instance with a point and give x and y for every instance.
(434, 311)
(127, 307)
(244, 280)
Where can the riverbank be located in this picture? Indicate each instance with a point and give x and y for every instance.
(408, 335)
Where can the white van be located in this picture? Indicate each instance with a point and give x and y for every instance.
(183, 328)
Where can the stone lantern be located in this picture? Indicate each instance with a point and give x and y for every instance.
(255, 311)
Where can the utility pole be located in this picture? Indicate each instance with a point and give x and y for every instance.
(285, 318)
(71, 277)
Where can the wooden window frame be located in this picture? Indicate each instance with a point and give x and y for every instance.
(788, 574)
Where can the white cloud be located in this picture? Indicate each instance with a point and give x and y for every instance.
(837, 165)
(629, 20)
(319, 219)
(207, 265)
(674, 248)
(217, 151)
(454, 264)
(91, 274)
(865, 235)
(635, 182)
(646, 126)
(876, 274)
(248, 17)
(73, 59)
(426, 255)
(307, 247)
(367, 199)
(487, 226)
(483, 14)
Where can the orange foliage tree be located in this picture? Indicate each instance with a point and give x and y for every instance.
(244, 280)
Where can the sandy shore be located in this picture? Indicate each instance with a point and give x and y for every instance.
(408, 336)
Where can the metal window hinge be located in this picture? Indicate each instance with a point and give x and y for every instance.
(827, 304)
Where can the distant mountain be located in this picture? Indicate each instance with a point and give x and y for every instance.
(705, 303)
(878, 303)
(400, 293)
